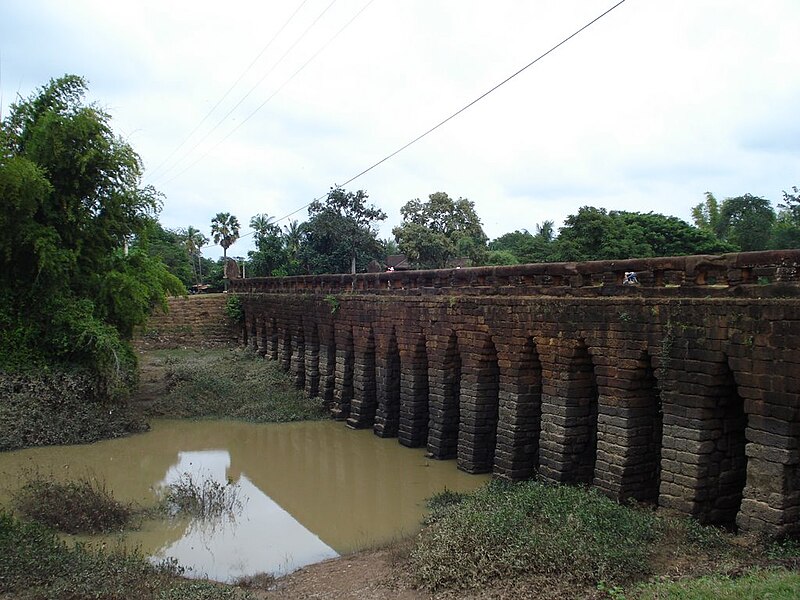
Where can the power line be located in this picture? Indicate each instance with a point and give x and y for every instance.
(458, 112)
(243, 98)
(229, 90)
(275, 93)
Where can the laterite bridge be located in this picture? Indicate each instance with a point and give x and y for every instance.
(682, 391)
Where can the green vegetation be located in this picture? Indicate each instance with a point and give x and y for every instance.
(60, 408)
(36, 565)
(231, 384)
(203, 499)
(573, 542)
(506, 530)
(775, 584)
(80, 506)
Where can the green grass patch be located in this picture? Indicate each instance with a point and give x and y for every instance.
(506, 530)
(775, 584)
(80, 506)
(36, 565)
(230, 384)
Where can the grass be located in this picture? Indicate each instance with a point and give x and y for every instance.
(505, 530)
(80, 506)
(565, 541)
(775, 584)
(229, 384)
(36, 565)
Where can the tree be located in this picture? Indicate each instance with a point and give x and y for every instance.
(340, 235)
(706, 214)
(595, 234)
(225, 231)
(747, 222)
(72, 199)
(786, 231)
(436, 231)
(194, 241)
(524, 246)
(270, 257)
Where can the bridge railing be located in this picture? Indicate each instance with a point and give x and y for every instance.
(745, 273)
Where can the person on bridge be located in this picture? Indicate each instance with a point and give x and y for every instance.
(630, 278)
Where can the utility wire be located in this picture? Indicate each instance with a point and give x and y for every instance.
(243, 98)
(458, 112)
(455, 114)
(229, 90)
(275, 93)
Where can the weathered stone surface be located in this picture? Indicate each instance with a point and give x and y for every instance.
(675, 392)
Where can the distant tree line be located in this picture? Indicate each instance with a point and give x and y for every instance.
(85, 259)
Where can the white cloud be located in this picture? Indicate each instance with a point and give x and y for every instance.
(646, 110)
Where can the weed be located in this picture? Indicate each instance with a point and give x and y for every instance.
(234, 309)
(777, 584)
(505, 530)
(231, 384)
(333, 302)
(203, 499)
(80, 506)
(36, 565)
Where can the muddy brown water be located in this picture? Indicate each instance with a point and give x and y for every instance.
(308, 491)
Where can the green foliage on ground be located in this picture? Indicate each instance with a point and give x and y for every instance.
(83, 505)
(575, 542)
(231, 384)
(59, 407)
(36, 565)
(775, 584)
(507, 530)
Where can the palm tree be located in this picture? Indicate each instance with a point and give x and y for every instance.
(225, 230)
(194, 241)
(292, 237)
(262, 224)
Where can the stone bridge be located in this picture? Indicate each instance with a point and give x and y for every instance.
(682, 391)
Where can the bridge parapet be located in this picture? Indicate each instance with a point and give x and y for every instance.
(745, 274)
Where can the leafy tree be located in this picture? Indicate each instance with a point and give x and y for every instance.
(270, 256)
(72, 200)
(747, 221)
(436, 231)
(225, 231)
(792, 205)
(340, 235)
(525, 247)
(706, 214)
(169, 247)
(595, 234)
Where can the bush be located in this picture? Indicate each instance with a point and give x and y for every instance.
(82, 506)
(36, 565)
(505, 530)
(204, 499)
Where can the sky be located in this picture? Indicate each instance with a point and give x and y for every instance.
(253, 107)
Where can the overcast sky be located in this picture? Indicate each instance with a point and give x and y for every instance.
(259, 107)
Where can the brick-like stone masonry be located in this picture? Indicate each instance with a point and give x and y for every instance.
(683, 391)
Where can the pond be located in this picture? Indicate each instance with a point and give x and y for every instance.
(308, 491)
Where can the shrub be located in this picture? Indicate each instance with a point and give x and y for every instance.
(204, 499)
(506, 530)
(81, 506)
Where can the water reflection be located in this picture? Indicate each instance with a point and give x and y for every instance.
(261, 537)
(309, 490)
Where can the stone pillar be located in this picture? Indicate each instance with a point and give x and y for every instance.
(312, 369)
(298, 360)
(363, 405)
(343, 389)
(445, 391)
(414, 391)
(387, 373)
(517, 451)
(567, 447)
(477, 433)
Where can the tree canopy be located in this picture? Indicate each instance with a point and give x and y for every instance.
(340, 235)
(72, 202)
(439, 230)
